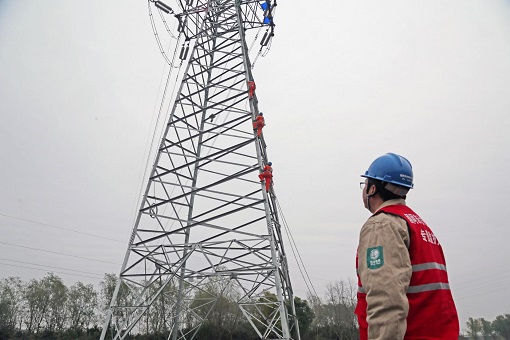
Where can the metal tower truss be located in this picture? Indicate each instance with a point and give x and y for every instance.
(208, 234)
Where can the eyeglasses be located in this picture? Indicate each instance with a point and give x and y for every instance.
(362, 185)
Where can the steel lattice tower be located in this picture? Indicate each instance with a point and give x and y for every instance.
(207, 230)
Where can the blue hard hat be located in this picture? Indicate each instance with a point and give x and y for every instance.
(391, 168)
(261, 114)
(270, 163)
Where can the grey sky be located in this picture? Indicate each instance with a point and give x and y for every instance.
(345, 82)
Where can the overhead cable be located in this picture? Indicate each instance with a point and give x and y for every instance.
(17, 266)
(61, 228)
(57, 253)
(43, 265)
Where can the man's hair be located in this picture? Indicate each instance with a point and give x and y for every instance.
(379, 189)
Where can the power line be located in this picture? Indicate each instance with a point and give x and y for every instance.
(61, 228)
(54, 252)
(43, 265)
(44, 270)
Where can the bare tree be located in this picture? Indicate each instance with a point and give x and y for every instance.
(11, 297)
(473, 327)
(107, 288)
(334, 314)
(56, 290)
(160, 314)
(486, 329)
(81, 306)
(217, 305)
(36, 299)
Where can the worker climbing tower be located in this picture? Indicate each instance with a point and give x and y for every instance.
(207, 242)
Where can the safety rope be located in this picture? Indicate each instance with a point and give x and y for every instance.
(294, 249)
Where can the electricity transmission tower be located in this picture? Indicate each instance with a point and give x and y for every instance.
(207, 233)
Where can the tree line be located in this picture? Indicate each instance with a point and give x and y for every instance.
(48, 309)
(480, 328)
(45, 308)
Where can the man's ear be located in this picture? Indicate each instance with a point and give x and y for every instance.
(371, 190)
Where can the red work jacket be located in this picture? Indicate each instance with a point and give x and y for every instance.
(432, 312)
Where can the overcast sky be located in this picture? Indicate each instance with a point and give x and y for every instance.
(344, 82)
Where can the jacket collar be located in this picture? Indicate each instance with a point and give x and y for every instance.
(398, 201)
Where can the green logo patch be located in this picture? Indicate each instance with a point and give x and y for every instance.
(375, 258)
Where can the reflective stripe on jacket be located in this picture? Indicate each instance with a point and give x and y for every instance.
(431, 312)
